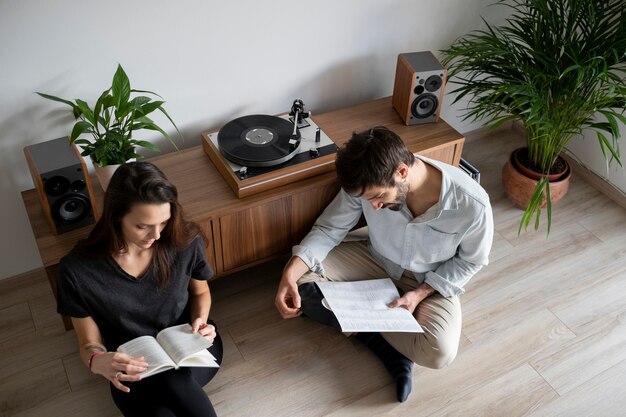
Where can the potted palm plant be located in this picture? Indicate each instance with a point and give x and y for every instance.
(118, 113)
(558, 68)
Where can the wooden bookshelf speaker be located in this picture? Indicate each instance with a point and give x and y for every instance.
(418, 88)
(62, 182)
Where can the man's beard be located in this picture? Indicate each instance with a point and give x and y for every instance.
(402, 189)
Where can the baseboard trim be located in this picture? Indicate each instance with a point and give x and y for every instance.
(33, 274)
(596, 181)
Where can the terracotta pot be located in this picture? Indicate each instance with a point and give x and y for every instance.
(519, 188)
(534, 174)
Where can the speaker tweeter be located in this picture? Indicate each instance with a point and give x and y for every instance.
(418, 88)
(62, 182)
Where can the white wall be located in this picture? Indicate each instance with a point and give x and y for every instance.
(211, 60)
(587, 150)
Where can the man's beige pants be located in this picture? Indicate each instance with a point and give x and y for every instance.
(440, 317)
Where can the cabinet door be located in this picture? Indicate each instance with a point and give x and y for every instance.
(306, 208)
(256, 233)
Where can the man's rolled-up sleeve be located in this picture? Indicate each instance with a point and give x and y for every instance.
(451, 276)
(330, 228)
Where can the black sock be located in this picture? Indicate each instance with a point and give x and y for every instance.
(311, 305)
(398, 365)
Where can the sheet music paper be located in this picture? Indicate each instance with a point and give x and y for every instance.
(361, 306)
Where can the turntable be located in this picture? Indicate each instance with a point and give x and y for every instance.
(259, 152)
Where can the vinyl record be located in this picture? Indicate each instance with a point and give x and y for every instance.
(257, 140)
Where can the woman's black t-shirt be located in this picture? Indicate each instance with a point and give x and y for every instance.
(125, 307)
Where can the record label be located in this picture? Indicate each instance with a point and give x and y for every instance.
(259, 136)
(257, 140)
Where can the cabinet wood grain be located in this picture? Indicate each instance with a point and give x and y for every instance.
(255, 233)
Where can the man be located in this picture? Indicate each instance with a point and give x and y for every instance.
(430, 228)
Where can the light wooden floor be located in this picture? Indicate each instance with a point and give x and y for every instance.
(544, 333)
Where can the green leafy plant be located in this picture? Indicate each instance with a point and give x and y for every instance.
(118, 113)
(558, 67)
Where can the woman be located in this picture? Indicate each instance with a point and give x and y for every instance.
(141, 269)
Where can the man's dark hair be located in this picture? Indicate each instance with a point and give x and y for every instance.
(369, 159)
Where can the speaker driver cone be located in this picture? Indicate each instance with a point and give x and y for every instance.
(424, 106)
(433, 83)
(71, 208)
(57, 185)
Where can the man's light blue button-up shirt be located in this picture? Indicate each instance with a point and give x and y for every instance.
(443, 247)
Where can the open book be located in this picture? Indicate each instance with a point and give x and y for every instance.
(172, 348)
(362, 306)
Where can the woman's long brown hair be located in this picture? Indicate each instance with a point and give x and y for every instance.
(133, 183)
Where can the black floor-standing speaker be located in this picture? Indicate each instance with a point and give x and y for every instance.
(63, 185)
(418, 88)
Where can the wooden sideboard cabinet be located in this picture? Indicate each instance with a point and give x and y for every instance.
(247, 231)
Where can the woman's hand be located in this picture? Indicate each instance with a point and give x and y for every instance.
(119, 367)
(207, 331)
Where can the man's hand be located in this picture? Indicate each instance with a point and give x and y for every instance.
(287, 299)
(411, 299)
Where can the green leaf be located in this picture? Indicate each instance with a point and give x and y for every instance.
(100, 103)
(141, 123)
(152, 126)
(80, 128)
(140, 100)
(108, 101)
(148, 108)
(120, 87)
(145, 144)
(122, 110)
(147, 92)
(86, 112)
(55, 98)
(569, 69)
(604, 145)
(121, 84)
(548, 206)
(620, 116)
(535, 205)
(162, 110)
(86, 152)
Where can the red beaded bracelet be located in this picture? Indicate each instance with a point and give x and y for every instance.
(93, 354)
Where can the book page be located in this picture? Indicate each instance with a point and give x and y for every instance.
(362, 306)
(179, 342)
(149, 348)
(201, 358)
